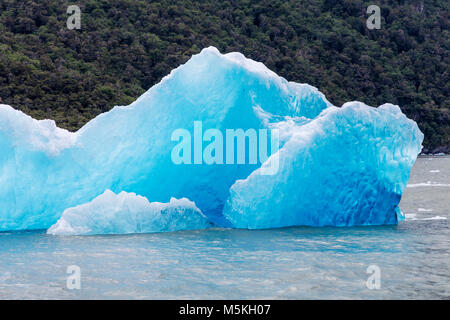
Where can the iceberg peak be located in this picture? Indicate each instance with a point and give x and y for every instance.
(40, 135)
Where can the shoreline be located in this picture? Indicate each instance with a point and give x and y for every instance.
(440, 154)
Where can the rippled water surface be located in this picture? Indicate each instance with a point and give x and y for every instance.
(291, 263)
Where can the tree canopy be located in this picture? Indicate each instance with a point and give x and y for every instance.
(126, 46)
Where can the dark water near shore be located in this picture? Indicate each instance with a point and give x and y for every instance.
(292, 263)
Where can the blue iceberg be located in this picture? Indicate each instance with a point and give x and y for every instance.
(347, 167)
(334, 166)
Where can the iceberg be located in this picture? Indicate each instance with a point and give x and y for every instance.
(336, 166)
(127, 213)
(347, 167)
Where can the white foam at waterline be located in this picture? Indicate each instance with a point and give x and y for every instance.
(413, 217)
(424, 210)
(435, 218)
(427, 184)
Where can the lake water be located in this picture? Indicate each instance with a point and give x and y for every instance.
(293, 263)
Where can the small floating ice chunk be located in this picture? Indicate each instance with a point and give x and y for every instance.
(129, 213)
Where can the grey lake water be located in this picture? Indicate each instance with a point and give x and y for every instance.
(292, 263)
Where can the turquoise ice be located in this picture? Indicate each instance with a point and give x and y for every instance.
(127, 213)
(337, 166)
(349, 166)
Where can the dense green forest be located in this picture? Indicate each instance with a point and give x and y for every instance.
(126, 46)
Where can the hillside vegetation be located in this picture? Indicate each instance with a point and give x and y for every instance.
(126, 46)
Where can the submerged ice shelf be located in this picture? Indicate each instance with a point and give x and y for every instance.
(336, 166)
(129, 213)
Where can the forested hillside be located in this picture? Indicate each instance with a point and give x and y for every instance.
(126, 46)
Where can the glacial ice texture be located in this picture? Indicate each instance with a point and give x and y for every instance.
(129, 213)
(337, 166)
